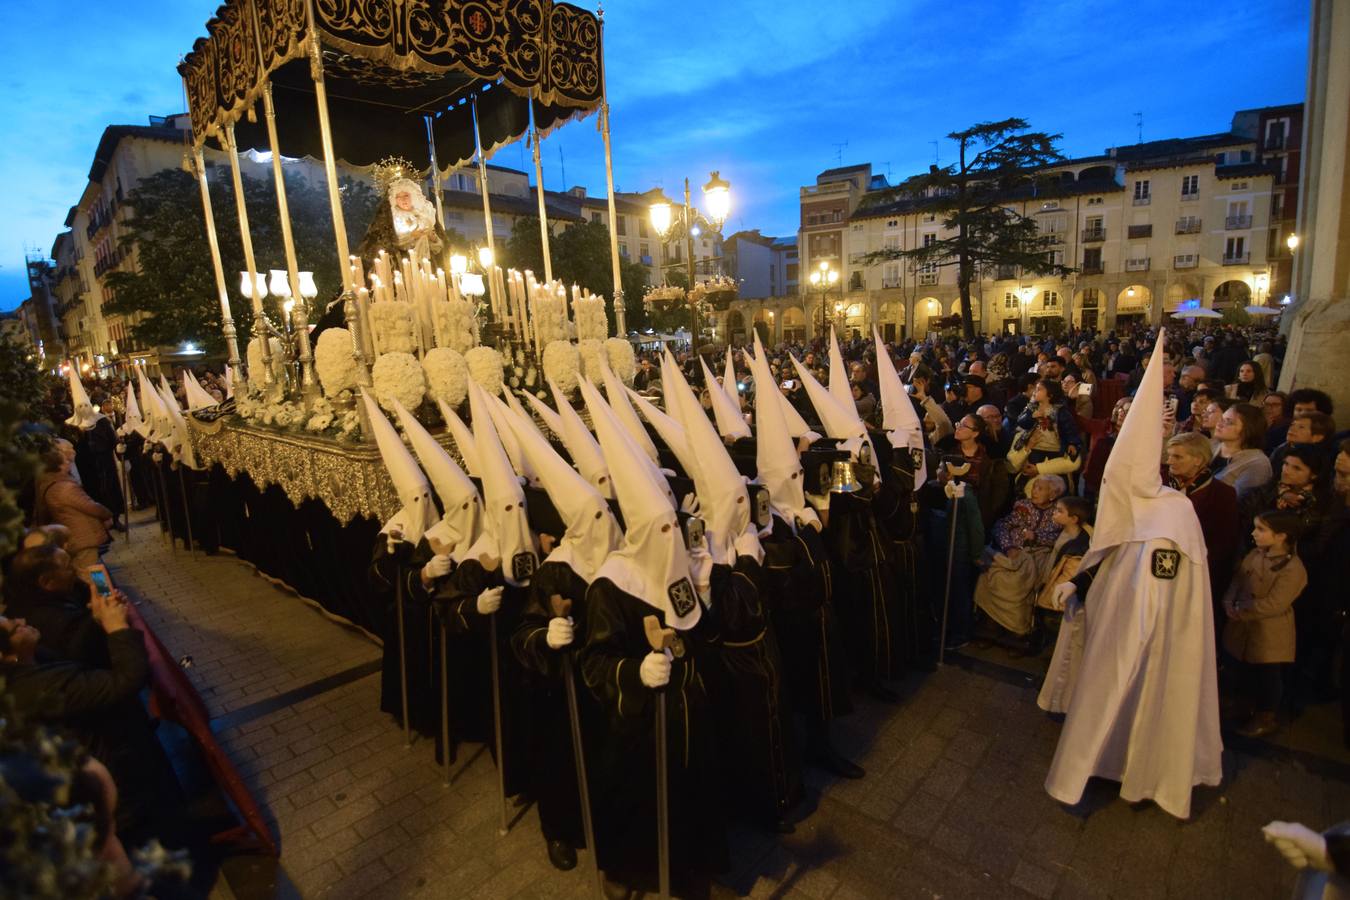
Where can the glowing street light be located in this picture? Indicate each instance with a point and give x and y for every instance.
(1291, 242)
(663, 216)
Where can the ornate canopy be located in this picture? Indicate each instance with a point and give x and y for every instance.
(387, 65)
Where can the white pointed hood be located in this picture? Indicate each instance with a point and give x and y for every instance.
(652, 564)
(551, 419)
(501, 421)
(903, 428)
(670, 430)
(592, 532)
(155, 417)
(229, 381)
(730, 423)
(197, 397)
(729, 381)
(840, 422)
(464, 442)
(1133, 504)
(777, 464)
(723, 500)
(134, 422)
(839, 387)
(623, 410)
(581, 445)
(462, 521)
(658, 477)
(507, 537)
(417, 513)
(85, 416)
(181, 447)
(796, 425)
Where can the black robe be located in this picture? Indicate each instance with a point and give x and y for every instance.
(421, 639)
(799, 583)
(865, 588)
(96, 458)
(761, 762)
(553, 772)
(896, 508)
(470, 658)
(624, 789)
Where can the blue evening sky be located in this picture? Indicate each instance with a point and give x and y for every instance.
(763, 90)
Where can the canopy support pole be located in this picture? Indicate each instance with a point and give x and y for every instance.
(500, 300)
(226, 319)
(539, 191)
(352, 314)
(260, 330)
(619, 308)
(435, 174)
(309, 383)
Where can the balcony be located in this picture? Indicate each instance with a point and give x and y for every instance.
(1189, 225)
(1091, 268)
(1185, 261)
(928, 278)
(1094, 234)
(890, 282)
(1137, 232)
(1237, 223)
(1143, 201)
(1189, 195)
(1005, 273)
(1052, 237)
(1236, 259)
(1139, 264)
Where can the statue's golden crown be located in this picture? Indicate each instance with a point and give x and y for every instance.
(391, 169)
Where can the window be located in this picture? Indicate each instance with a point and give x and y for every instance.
(930, 217)
(1141, 192)
(1050, 299)
(1095, 201)
(1055, 257)
(1190, 186)
(1277, 205)
(454, 215)
(1010, 299)
(595, 217)
(1092, 260)
(645, 250)
(622, 225)
(929, 268)
(623, 250)
(1091, 298)
(642, 229)
(890, 275)
(892, 223)
(1240, 186)
(890, 242)
(1235, 248)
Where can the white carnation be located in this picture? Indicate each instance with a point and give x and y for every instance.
(255, 361)
(398, 376)
(621, 359)
(485, 367)
(562, 363)
(550, 317)
(457, 324)
(590, 316)
(447, 375)
(334, 361)
(590, 359)
(391, 327)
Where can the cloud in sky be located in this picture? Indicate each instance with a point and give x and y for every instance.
(769, 92)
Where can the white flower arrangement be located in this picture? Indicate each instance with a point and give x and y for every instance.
(282, 415)
(590, 352)
(255, 362)
(590, 315)
(398, 376)
(334, 361)
(550, 316)
(621, 359)
(246, 406)
(664, 294)
(349, 424)
(320, 415)
(562, 363)
(485, 367)
(457, 324)
(392, 327)
(447, 375)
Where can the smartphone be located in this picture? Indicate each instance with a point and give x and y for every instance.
(790, 384)
(99, 576)
(759, 498)
(909, 389)
(1171, 404)
(693, 532)
(1085, 390)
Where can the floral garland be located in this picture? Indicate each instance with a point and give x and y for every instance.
(255, 361)
(550, 317)
(321, 415)
(591, 353)
(590, 315)
(447, 375)
(391, 327)
(663, 294)
(457, 325)
(334, 361)
(485, 367)
(398, 376)
(621, 359)
(562, 363)
(282, 415)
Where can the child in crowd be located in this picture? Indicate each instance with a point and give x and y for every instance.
(1260, 608)
(1073, 515)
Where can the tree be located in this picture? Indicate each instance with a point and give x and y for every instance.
(174, 287)
(997, 164)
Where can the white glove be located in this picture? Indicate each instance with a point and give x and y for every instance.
(490, 601)
(1063, 592)
(437, 567)
(1302, 847)
(559, 632)
(818, 502)
(700, 568)
(395, 536)
(748, 545)
(955, 489)
(655, 670)
(689, 504)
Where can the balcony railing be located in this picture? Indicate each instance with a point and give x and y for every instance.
(1236, 259)
(1094, 234)
(1237, 223)
(890, 282)
(1143, 201)
(1005, 273)
(1185, 261)
(928, 278)
(1139, 264)
(1052, 237)
(1094, 268)
(1188, 225)
(1189, 195)
(1135, 232)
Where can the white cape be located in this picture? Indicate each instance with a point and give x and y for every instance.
(1145, 711)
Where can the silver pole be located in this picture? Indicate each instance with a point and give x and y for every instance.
(619, 310)
(561, 607)
(122, 465)
(497, 723)
(539, 192)
(947, 591)
(187, 511)
(657, 637)
(402, 652)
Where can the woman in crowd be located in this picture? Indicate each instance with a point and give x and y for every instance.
(1082, 402)
(1239, 458)
(972, 442)
(1047, 440)
(1250, 386)
(1275, 406)
(61, 500)
(1023, 545)
(1300, 488)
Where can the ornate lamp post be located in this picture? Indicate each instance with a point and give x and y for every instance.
(822, 279)
(717, 195)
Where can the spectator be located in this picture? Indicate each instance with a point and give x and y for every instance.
(1307, 429)
(1276, 408)
(1022, 547)
(1000, 438)
(1310, 400)
(1082, 402)
(1215, 504)
(1250, 386)
(1239, 459)
(61, 500)
(1047, 440)
(986, 475)
(1260, 616)
(44, 589)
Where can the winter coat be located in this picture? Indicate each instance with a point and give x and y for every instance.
(1263, 592)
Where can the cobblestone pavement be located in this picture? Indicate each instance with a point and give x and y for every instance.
(952, 806)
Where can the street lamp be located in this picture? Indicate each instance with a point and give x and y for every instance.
(1291, 242)
(822, 278)
(664, 219)
(1262, 283)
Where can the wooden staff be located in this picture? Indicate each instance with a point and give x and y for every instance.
(561, 607)
(661, 640)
